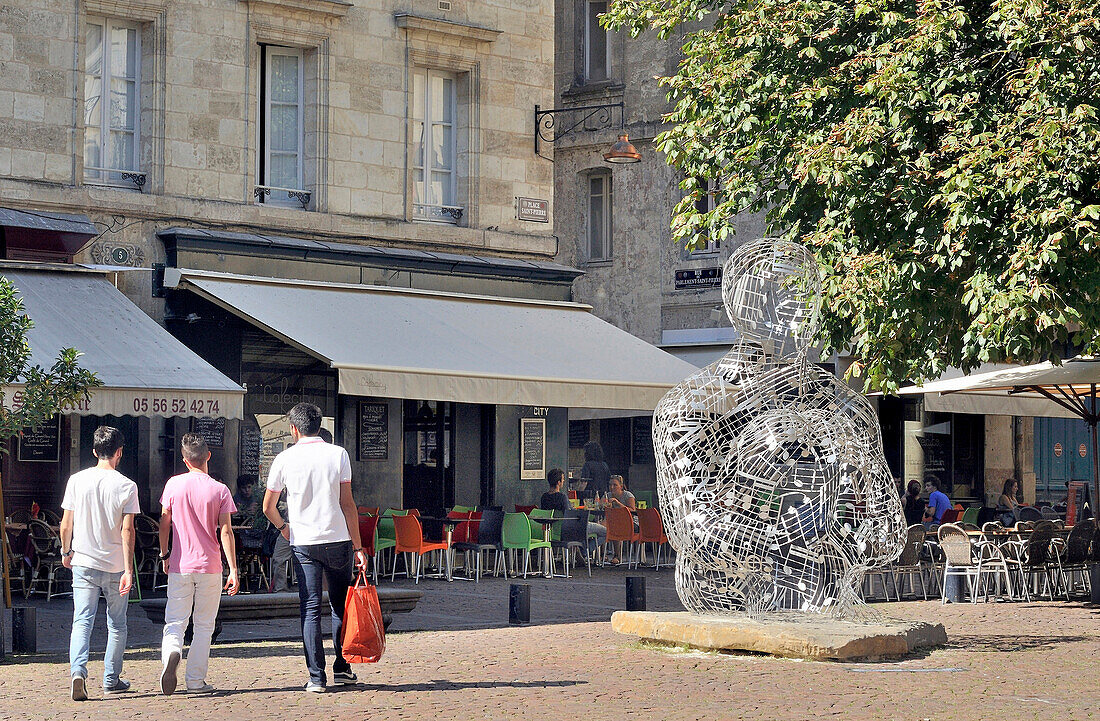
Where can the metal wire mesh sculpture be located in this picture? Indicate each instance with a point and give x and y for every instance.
(772, 483)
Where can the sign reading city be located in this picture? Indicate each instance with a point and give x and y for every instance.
(534, 210)
(698, 278)
(532, 453)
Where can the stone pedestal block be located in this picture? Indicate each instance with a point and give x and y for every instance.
(814, 638)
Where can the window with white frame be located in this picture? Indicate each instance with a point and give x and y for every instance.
(112, 99)
(709, 241)
(434, 146)
(281, 133)
(597, 55)
(599, 216)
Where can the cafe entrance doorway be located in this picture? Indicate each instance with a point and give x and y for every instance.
(429, 478)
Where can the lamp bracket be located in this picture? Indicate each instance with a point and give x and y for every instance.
(553, 124)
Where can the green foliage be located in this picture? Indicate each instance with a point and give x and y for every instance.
(942, 158)
(46, 391)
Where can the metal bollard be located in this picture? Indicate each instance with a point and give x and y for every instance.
(24, 630)
(519, 604)
(635, 593)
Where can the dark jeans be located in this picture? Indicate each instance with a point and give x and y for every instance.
(333, 561)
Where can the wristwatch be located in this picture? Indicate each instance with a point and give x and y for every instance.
(164, 556)
(66, 555)
(280, 528)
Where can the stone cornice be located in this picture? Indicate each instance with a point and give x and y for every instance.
(445, 27)
(324, 8)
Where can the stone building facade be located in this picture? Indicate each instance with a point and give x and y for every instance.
(376, 142)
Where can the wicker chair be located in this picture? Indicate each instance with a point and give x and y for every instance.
(16, 567)
(909, 563)
(48, 568)
(147, 549)
(1073, 557)
(980, 562)
(1036, 558)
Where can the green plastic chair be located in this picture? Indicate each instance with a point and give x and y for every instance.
(647, 496)
(517, 536)
(970, 515)
(536, 528)
(463, 509)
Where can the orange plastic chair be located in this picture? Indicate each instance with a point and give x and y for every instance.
(410, 540)
(652, 530)
(620, 527)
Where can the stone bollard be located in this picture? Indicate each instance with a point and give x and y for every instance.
(519, 604)
(24, 630)
(635, 593)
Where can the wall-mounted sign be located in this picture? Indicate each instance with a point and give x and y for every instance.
(374, 431)
(1082, 451)
(578, 434)
(1057, 450)
(212, 430)
(251, 442)
(641, 440)
(41, 443)
(532, 448)
(533, 210)
(699, 278)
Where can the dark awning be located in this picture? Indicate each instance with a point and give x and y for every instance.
(29, 234)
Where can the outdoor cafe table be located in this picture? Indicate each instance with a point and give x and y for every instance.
(546, 524)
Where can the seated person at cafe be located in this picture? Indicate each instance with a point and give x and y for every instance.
(245, 498)
(938, 502)
(555, 500)
(619, 496)
(914, 505)
(1007, 503)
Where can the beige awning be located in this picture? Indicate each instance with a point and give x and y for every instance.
(402, 343)
(1008, 390)
(144, 369)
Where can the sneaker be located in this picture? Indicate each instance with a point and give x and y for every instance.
(80, 689)
(168, 675)
(205, 688)
(344, 678)
(119, 687)
(314, 687)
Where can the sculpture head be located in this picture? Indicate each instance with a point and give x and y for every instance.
(772, 289)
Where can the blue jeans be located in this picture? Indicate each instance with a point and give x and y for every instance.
(88, 584)
(333, 562)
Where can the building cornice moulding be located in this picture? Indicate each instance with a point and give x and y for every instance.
(323, 8)
(141, 10)
(419, 23)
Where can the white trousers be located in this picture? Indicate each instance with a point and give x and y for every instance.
(202, 593)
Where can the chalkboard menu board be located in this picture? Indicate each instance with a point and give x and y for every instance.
(212, 430)
(578, 434)
(250, 443)
(41, 444)
(641, 440)
(532, 445)
(374, 431)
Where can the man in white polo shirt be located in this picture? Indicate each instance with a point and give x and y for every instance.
(325, 533)
(97, 543)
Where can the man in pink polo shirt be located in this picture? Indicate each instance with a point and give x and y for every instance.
(194, 506)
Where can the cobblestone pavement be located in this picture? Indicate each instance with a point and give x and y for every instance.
(1003, 661)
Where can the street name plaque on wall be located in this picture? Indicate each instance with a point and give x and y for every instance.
(534, 210)
(698, 278)
(532, 453)
(42, 443)
(374, 431)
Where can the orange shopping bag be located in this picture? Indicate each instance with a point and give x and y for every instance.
(363, 634)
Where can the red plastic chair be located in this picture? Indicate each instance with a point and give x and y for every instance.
(951, 515)
(620, 527)
(410, 540)
(524, 509)
(652, 530)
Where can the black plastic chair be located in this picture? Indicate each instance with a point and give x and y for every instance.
(1073, 556)
(1029, 513)
(574, 534)
(488, 539)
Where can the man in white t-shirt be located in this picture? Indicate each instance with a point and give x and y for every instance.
(97, 543)
(324, 535)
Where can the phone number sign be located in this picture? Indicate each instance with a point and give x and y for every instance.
(130, 402)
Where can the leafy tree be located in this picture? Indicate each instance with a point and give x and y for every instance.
(942, 158)
(45, 392)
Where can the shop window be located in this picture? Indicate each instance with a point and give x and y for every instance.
(599, 216)
(112, 101)
(282, 104)
(434, 146)
(597, 49)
